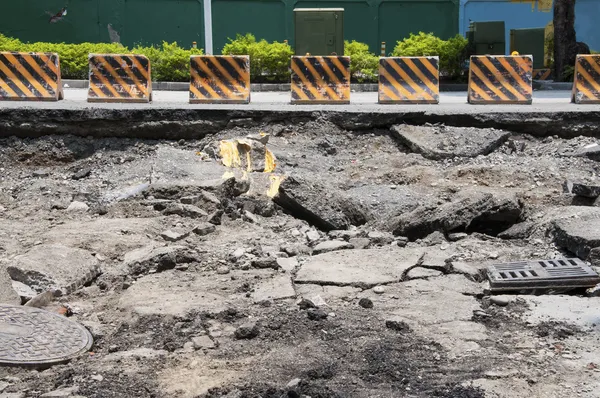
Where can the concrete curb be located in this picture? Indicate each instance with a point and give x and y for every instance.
(262, 87)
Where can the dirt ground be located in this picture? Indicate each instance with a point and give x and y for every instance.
(225, 293)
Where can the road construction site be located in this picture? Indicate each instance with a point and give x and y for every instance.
(271, 250)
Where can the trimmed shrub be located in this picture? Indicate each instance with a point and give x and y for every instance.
(170, 63)
(269, 62)
(364, 65)
(452, 52)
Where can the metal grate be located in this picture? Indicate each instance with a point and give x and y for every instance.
(566, 273)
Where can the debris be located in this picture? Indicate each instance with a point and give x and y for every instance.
(380, 238)
(82, 173)
(203, 229)
(587, 190)
(60, 393)
(331, 245)
(578, 235)
(470, 211)
(268, 262)
(172, 236)
(313, 236)
(305, 304)
(62, 268)
(75, 207)
(151, 259)
(399, 326)
(445, 142)
(365, 302)
(223, 270)
(322, 207)
(42, 299)
(293, 383)
(423, 273)
(250, 217)
(350, 267)
(453, 237)
(316, 314)
(8, 295)
(247, 331)
(184, 210)
(522, 230)
(25, 292)
(288, 264)
(203, 342)
(359, 243)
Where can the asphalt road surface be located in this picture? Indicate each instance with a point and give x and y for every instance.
(450, 102)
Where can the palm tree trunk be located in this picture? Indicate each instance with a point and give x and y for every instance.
(565, 40)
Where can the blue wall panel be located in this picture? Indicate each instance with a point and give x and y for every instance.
(587, 13)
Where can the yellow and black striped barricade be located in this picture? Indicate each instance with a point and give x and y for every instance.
(320, 80)
(542, 74)
(500, 79)
(586, 83)
(119, 78)
(30, 77)
(223, 79)
(409, 80)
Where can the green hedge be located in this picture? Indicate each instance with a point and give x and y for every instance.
(169, 61)
(269, 62)
(452, 52)
(364, 65)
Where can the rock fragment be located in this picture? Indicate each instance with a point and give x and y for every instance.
(172, 236)
(365, 302)
(77, 207)
(316, 314)
(397, 325)
(7, 294)
(184, 210)
(330, 246)
(203, 229)
(203, 342)
(325, 208)
(247, 331)
(151, 259)
(445, 142)
(423, 273)
(586, 190)
(578, 235)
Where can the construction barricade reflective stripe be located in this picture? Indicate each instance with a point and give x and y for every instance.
(409, 80)
(320, 80)
(586, 83)
(542, 74)
(500, 79)
(220, 79)
(30, 77)
(119, 78)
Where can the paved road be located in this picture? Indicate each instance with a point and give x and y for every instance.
(453, 102)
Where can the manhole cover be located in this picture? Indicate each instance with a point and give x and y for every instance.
(30, 336)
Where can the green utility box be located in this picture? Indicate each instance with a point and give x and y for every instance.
(319, 31)
(529, 42)
(486, 38)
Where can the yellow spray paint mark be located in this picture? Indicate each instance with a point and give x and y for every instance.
(275, 182)
(269, 161)
(230, 154)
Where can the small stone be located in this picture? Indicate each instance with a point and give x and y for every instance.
(203, 342)
(40, 173)
(63, 392)
(204, 229)
(305, 304)
(184, 210)
(215, 217)
(380, 238)
(172, 236)
(97, 377)
(331, 245)
(493, 255)
(313, 236)
(82, 173)
(399, 326)
(287, 264)
(379, 289)
(456, 236)
(501, 301)
(250, 217)
(223, 270)
(238, 253)
(247, 331)
(316, 314)
(269, 262)
(365, 302)
(76, 206)
(293, 383)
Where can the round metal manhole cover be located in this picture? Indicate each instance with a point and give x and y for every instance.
(30, 336)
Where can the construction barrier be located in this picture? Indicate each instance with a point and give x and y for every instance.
(542, 74)
(586, 82)
(320, 80)
(500, 79)
(30, 77)
(409, 80)
(119, 78)
(220, 79)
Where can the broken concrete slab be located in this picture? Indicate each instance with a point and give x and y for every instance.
(325, 208)
(204, 228)
(361, 268)
(277, 287)
(184, 210)
(151, 259)
(25, 292)
(7, 294)
(423, 273)
(578, 235)
(444, 142)
(470, 211)
(330, 246)
(522, 230)
(58, 267)
(176, 293)
(173, 236)
(288, 264)
(591, 151)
